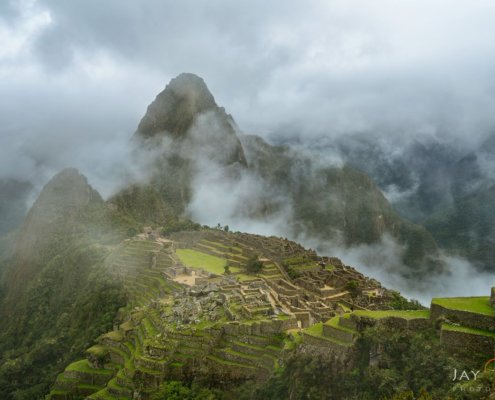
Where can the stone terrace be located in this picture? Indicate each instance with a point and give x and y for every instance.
(187, 318)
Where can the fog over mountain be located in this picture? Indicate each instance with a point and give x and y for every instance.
(402, 91)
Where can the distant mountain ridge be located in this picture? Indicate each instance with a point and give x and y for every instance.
(439, 185)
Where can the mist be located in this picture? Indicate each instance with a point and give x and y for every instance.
(75, 78)
(221, 198)
(382, 261)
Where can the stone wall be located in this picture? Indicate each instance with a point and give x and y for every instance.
(351, 305)
(232, 372)
(339, 334)
(322, 346)
(419, 324)
(261, 328)
(349, 323)
(393, 322)
(415, 324)
(304, 317)
(478, 346)
(466, 318)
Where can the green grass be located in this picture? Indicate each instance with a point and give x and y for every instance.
(406, 314)
(478, 305)
(242, 355)
(465, 329)
(83, 366)
(294, 260)
(150, 328)
(346, 309)
(251, 346)
(103, 394)
(176, 364)
(116, 336)
(148, 370)
(334, 323)
(197, 259)
(290, 344)
(97, 350)
(306, 265)
(316, 330)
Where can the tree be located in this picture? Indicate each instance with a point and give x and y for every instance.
(353, 288)
(226, 268)
(174, 390)
(254, 265)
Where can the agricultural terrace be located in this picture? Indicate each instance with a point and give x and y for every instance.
(478, 305)
(406, 314)
(197, 259)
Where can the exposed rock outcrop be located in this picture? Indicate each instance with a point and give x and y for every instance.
(185, 111)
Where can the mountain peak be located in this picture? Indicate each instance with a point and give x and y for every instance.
(174, 109)
(68, 188)
(61, 202)
(192, 88)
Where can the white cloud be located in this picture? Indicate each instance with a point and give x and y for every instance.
(77, 76)
(16, 37)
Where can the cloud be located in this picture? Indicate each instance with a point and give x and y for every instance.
(383, 261)
(75, 78)
(219, 198)
(322, 68)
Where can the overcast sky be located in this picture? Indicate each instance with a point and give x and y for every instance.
(76, 76)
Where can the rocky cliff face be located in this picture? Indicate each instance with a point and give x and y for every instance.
(192, 134)
(175, 108)
(186, 112)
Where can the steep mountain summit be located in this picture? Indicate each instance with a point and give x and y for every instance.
(55, 294)
(174, 109)
(67, 209)
(68, 189)
(60, 203)
(186, 112)
(194, 133)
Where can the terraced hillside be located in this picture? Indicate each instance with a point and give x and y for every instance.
(188, 314)
(195, 309)
(140, 263)
(467, 325)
